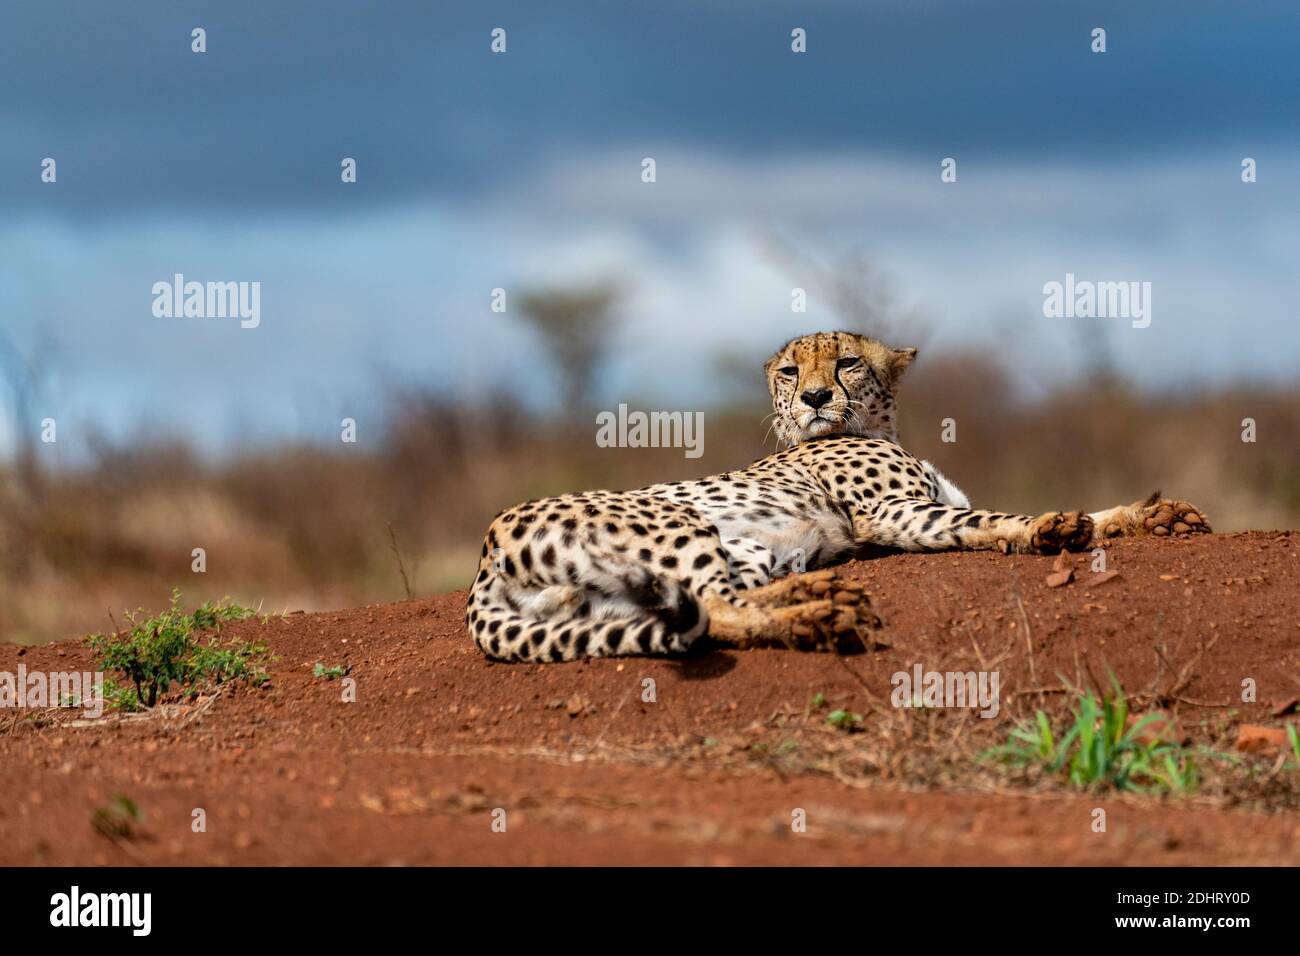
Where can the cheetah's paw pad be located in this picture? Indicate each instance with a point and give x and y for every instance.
(843, 621)
(1059, 531)
(1168, 517)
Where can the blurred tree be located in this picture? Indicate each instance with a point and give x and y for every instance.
(26, 377)
(576, 326)
(850, 288)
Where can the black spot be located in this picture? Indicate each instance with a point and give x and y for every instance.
(613, 638)
(645, 638)
(682, 618)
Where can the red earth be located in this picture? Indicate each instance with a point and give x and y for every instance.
(733, 753)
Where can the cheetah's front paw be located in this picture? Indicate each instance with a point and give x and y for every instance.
(830, 626)
(1060, 531)
(824, 610)
(1158, 517)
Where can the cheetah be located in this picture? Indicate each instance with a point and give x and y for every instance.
(745, 556)
(842, 383)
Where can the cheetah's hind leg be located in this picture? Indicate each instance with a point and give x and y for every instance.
(819, 610)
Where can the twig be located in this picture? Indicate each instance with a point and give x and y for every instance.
(1087, 669)
(600, 736)
(1212, 704)
(392, 538)
(1183, 677)
(866, 688)
(1029, 640)
(1041, 690)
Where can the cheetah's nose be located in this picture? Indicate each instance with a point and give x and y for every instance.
(816, 397)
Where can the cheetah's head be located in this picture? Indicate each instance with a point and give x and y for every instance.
(835, 383)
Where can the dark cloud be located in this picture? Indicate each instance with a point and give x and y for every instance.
(257, 125)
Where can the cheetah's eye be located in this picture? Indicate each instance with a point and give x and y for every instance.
(848, 362)
(789, 370)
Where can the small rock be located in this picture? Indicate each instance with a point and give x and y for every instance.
(1060, 578)
(1253, 738)
(1103, 577)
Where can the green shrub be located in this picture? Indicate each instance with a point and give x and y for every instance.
(161, 651)
(1099, 749)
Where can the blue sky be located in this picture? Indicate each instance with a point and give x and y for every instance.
(478, 171)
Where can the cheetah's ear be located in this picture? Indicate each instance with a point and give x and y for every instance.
(899, 360)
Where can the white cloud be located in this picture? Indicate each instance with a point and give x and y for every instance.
(351, 302)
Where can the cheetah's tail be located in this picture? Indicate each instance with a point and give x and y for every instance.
(664, 619)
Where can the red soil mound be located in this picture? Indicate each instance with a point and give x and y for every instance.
(715, 769)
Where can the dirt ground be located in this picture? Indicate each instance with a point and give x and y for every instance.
(730, 752)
